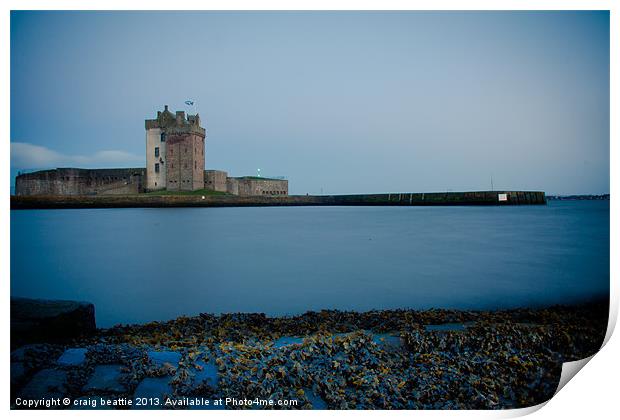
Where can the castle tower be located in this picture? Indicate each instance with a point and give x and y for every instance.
(175, 152)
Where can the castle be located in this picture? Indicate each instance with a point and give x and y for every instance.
(175, 161)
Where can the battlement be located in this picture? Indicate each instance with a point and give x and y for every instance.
(177, 123)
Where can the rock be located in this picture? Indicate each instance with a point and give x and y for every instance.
(106, 378)
(33, 351)
(47, 383)
(20, 354)
(153, 388)
(72, 357)
(160, 358)
(450, 326)
(18, 373)
(36, 320)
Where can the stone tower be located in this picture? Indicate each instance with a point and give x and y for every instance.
(175, 152)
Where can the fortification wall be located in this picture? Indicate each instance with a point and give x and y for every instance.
(75, 181)
(215, 180)
(232, 186)
(251, 186)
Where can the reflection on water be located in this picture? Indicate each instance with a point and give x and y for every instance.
(139, 265)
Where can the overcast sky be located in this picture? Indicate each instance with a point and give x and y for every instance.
(337, 102)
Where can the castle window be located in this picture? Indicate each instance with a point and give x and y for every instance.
(157, 152)
(162, 136)
(157, 167)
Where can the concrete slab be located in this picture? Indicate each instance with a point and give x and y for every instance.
(105, 378)
(47, 383)
(153, 388)
(72, 357)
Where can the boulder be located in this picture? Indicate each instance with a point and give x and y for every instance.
(36, 320)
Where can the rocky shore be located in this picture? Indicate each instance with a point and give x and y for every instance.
(395, 359)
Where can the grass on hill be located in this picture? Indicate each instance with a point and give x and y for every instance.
(197, 192)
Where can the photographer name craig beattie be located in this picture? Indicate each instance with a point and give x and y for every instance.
(66, 402)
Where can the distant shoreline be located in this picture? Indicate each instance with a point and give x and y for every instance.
(580, 197)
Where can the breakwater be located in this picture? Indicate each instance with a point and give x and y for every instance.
(390, 199)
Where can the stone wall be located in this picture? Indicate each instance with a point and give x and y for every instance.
(474, 198)
(215, 180)
(74, 181)
(185, 162)
(254, 186)
(175, 151)
(232, 186)
(155, 159)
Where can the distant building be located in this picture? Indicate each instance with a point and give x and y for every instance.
(244, 185)
(175, 161)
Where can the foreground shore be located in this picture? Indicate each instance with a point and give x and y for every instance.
(400, 359)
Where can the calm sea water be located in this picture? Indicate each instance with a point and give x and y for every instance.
(139, 265)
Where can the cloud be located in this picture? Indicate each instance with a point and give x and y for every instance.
(30, 156)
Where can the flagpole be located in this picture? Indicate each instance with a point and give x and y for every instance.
(191, 104)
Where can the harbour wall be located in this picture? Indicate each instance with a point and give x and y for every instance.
(478, 198)
(76, 181)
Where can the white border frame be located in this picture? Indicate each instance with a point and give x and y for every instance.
(592, 394)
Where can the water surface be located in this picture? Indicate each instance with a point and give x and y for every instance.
(140, 265)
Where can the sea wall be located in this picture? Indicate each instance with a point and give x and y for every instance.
(390, 199)
(74, 181)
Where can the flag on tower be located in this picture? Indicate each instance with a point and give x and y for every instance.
(189, 102)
